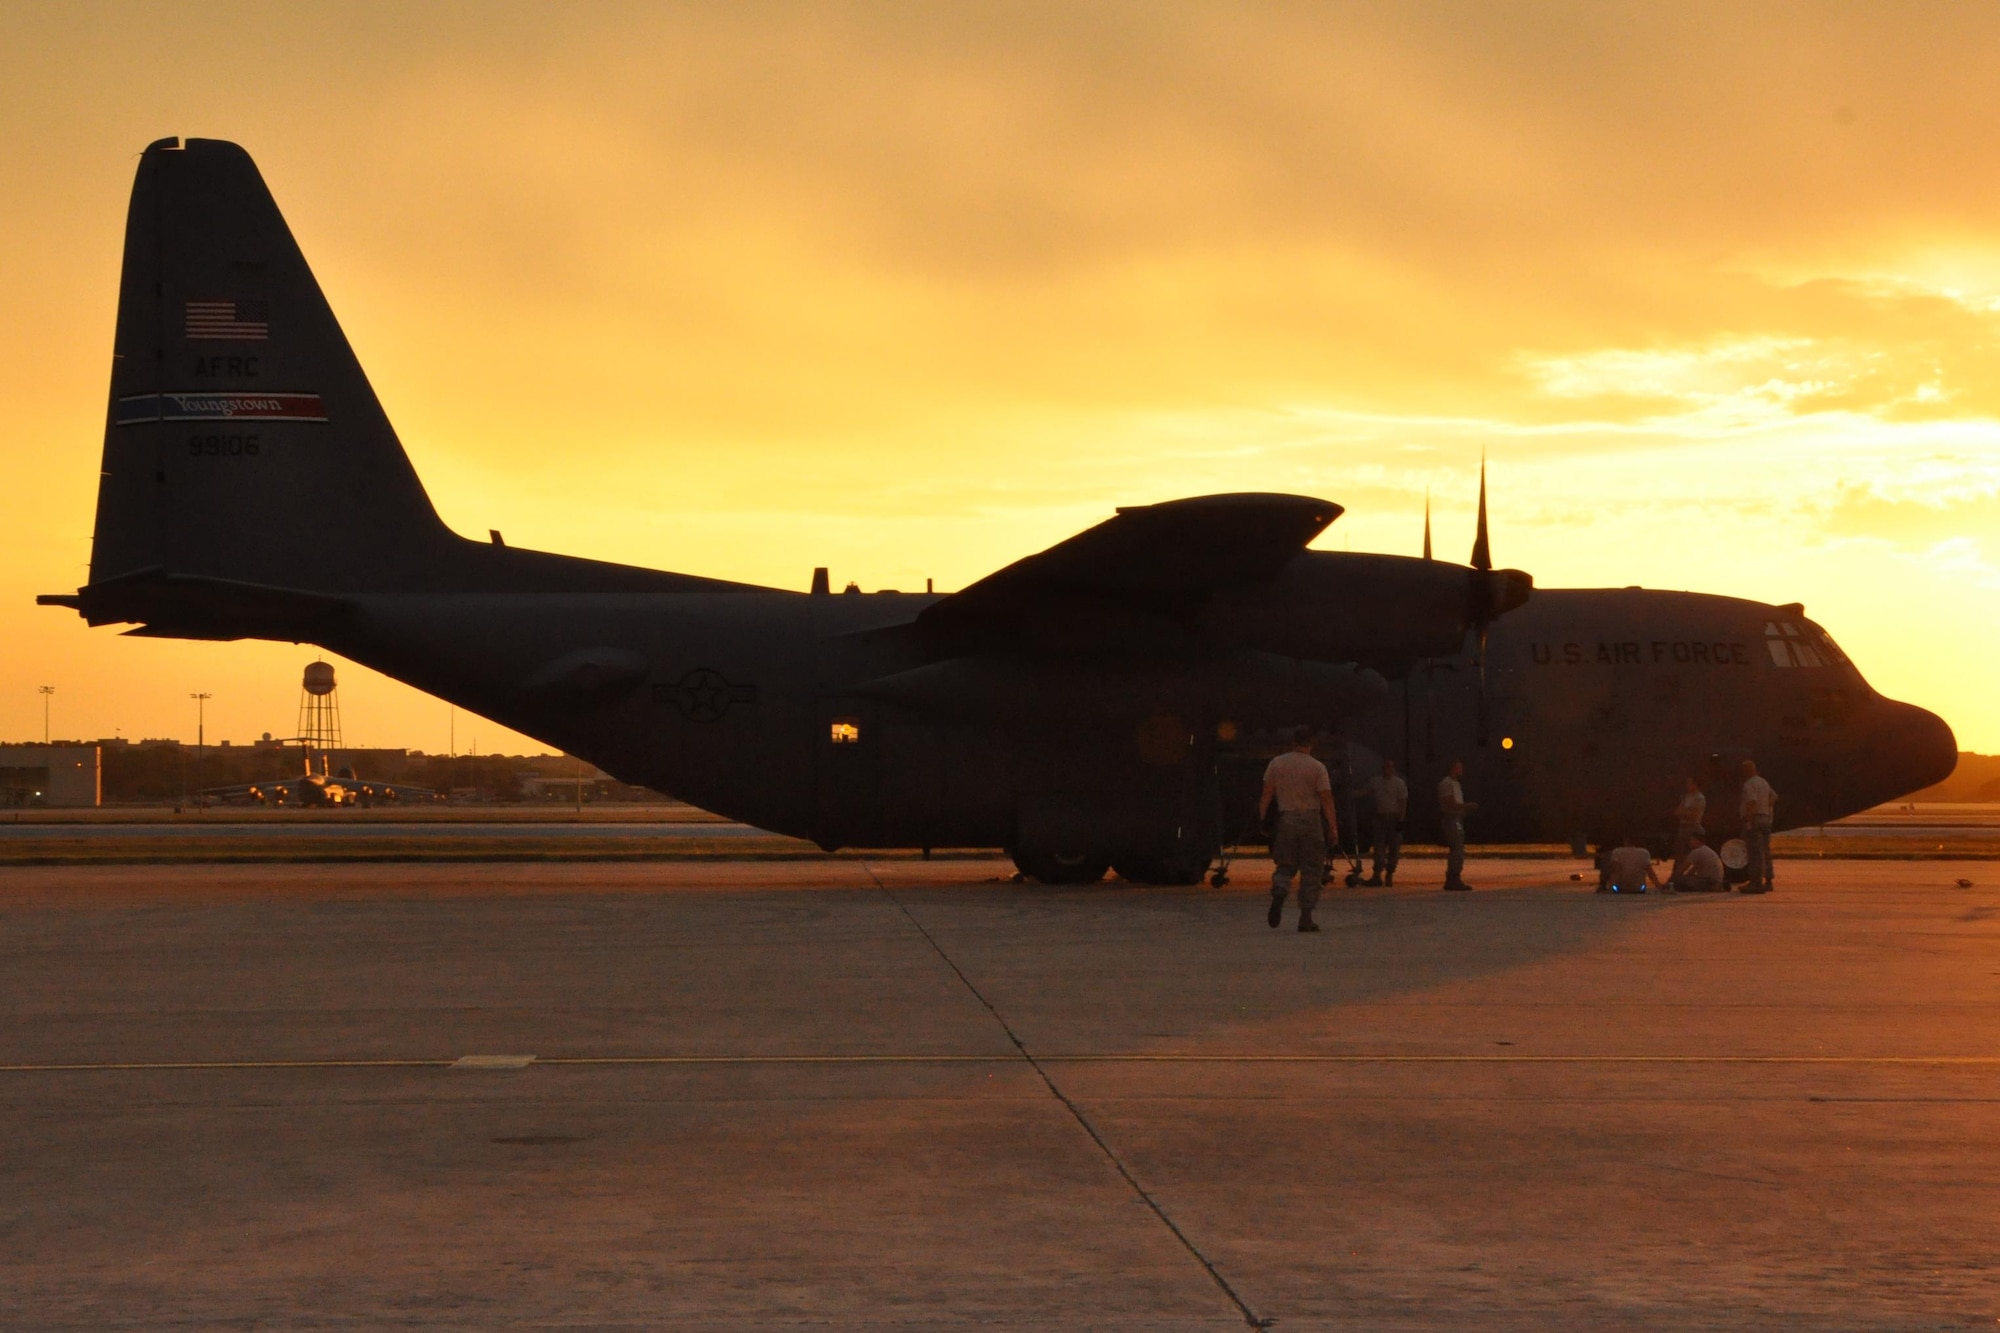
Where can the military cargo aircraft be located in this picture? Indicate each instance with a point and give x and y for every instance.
(1094, 705)
(329, 786)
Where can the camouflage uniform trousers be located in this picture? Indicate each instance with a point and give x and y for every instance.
(1757, 836)
(1388, 841)
(1298, 847)
(1454, 842)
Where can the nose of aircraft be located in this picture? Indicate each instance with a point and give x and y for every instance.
(1912, 748)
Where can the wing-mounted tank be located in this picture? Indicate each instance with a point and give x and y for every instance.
(1384, 612)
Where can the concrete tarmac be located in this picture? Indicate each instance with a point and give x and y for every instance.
(903, 1094)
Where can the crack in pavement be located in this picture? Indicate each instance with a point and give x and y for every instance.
(1250, 1317)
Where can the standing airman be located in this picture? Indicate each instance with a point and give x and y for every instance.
(1298, 785)
(1756, 807)
(1452, 810)
(1688, 816)
(1388, 803)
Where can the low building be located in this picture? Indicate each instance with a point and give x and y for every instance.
(562, 782)
(50, 775)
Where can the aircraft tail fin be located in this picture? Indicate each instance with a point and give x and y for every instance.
(243, 441)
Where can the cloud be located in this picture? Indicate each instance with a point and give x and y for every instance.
(1955, 516)
(745, 289)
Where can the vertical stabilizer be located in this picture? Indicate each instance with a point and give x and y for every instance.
(243, 441)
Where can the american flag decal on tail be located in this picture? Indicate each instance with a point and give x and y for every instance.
(237, 321)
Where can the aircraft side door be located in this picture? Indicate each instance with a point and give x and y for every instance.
(876, 776)
(1511, 805)
(846, 773)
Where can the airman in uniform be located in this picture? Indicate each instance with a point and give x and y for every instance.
(1298, 785)
(1688, 816)
(1626, 868)
(1452, 810)
(1756, 807)
(1388, 804)
(1698, 869)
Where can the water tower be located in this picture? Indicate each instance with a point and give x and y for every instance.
(319, 710)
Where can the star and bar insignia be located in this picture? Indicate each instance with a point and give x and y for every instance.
(704, 694)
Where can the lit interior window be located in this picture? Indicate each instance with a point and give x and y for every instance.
(845, 732)
(1506, 742)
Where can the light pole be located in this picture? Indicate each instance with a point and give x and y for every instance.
(46, 691)
(200, 724)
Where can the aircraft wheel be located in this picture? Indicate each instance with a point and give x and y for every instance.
(1353, 879)
(1051, 867)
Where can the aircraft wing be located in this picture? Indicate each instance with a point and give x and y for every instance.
(236, 791)
(394, 791)
(1146, 562)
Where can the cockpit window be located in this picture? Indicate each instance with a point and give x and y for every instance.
(1792, 646)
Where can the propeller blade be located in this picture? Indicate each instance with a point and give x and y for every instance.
(1482, 599)
(1482, 555)
(1488, 596)
(1482, 711)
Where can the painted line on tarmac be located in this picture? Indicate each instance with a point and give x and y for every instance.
(1172, 1058)
(499, 1062)
(1168, 1058)
(148, 1066)
(1114, 1057)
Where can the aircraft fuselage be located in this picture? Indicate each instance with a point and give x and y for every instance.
(755, 704)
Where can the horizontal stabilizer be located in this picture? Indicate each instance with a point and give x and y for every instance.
(184, 606)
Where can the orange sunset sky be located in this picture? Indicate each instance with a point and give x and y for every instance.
(912, 291)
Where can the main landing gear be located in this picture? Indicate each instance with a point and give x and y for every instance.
(1181, 869)
(1084, 867)
(1060, 867)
